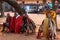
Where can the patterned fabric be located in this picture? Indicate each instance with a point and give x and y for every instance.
(53, 14)
(45, 27)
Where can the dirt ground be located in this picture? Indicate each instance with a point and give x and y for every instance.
(37, 18)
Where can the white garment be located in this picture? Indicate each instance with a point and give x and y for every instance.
(40, 7)
(17, 16)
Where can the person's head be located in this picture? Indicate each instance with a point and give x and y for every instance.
(48, 15)
(8, 15)
(15, 14)
(47, 7)
(48, 2)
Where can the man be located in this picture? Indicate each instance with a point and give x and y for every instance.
(16, 23)
(48, 22)
(12, 24)
(6, 25)
(24, 27)
(51, 15)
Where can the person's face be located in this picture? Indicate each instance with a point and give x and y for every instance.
(48, 15)
(8, 15)
(15, 15)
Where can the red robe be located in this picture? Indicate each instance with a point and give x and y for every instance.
(18, 24)
(12, 24)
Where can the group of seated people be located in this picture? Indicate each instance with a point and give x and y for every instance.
(18, 24)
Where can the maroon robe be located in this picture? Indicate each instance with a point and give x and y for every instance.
(12, 24)
(18, 24)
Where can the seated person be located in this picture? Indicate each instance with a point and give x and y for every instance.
(16, 23)
(6, 25)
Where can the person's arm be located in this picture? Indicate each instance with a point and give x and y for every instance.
(54, 16)
(54, 22)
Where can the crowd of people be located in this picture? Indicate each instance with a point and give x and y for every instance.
(23, 24)
(19, 24)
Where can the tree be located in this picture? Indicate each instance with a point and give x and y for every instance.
(15, 5)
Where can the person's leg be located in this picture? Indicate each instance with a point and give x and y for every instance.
(23, 28)
(4, 25)
(27, 30)
(39, 34)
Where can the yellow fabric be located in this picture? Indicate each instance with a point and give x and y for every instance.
(45, 27)
(53, 13)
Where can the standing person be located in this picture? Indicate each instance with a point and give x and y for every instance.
(6, 25)
(52, 16)
(45, 24)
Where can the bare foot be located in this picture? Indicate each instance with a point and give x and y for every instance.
(1, 33)
(57, 37)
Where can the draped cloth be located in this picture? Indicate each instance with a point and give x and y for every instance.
(16, 24)
(45, 28)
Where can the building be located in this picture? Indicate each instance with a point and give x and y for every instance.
(32, 1)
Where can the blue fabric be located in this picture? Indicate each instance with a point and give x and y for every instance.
(50, 5)
(46, 6)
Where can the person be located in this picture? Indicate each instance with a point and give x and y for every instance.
(45, 24)
(40, 32)
(52, 15)
(24, 27)
(50, 4)
(16, 23)
(12, 24)
(28, 25)
(6, 25)
(26, 21)
(58, 9)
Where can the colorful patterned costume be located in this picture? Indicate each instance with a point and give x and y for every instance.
(46, 24)
(45, 28)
